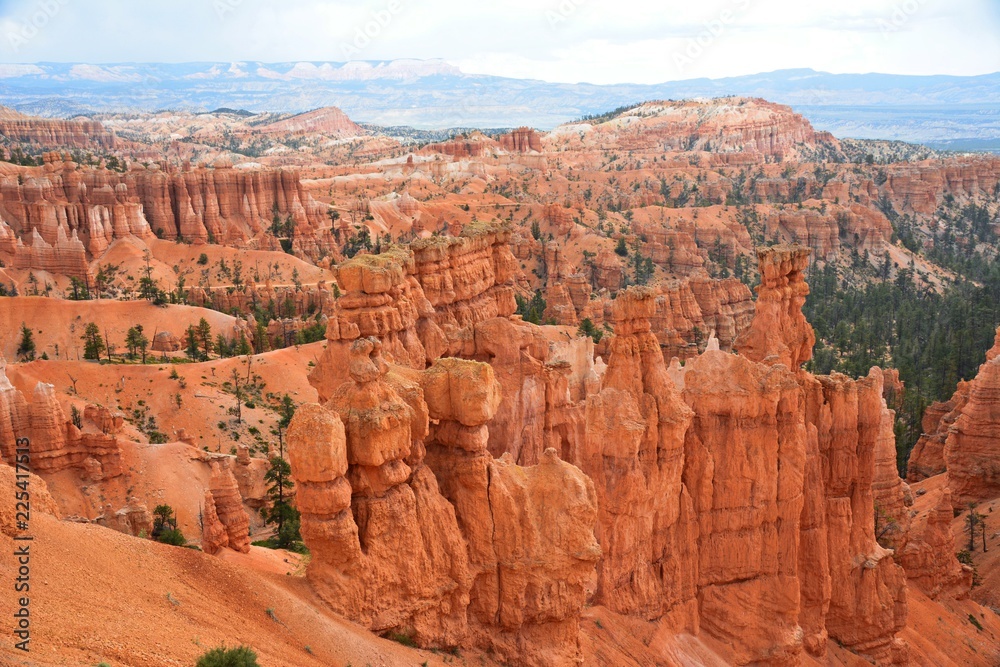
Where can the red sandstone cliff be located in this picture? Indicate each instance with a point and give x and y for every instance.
(227, 205)
(49, 133)
(753, 128)
(971, 445)
(59, 216)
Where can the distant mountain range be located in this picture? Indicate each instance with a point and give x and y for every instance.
(942, 111)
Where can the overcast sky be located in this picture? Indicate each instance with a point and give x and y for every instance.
(598, 41)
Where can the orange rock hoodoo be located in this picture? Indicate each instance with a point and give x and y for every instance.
(780, 333)
(13, 414)
(457, 549)
(96, 454)
(225, 522)
(57, 216)
(56, 443)
(421, 301)
(735, 496)
(960, 437)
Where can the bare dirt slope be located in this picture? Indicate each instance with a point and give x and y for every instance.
(163, 606)
(204, 403)
(57, 322)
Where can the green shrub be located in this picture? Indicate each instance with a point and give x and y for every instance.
(172, 536)
(406, 637)
(233, 657)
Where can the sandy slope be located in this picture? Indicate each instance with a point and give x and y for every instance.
(203, 402)
(57, 322)
(98, 595)
(185, 256)
(174, 473)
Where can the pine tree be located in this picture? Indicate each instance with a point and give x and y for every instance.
(93, 343)
(136, 342)
(165, 526)
(243, 346)
(142, 342)
(282, 514)
(192, 344)
(205, 336)
(621, 249)
(26, 349)
(147, 286)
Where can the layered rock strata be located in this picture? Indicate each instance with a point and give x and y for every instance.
(969, 431)
(224, 509)
(420, 301)
(57, 216)
(755, 482)
(58, 444)
(732, 482)
(780, 333)
(49, 133)
(416, 529)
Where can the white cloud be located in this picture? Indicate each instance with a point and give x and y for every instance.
(601, 41)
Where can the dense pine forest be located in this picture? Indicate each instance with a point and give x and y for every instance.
(869, 313)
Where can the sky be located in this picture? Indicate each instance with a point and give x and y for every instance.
(595, 41)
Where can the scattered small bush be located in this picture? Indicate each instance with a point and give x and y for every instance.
(242, 656)
(406, 637)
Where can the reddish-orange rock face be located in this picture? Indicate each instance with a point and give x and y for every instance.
(57, 217)
(779, 333)
(388, 552)
(521, 140)
(14, 416)
(852, 431)
(326, 121)
(228, 506)
(227, 205)
(461, 549)
(55, 133)
(57, 444)
(749, 128)
(421, 301)
(214, 535)
(928, 555)
(971, 448)
(927, 456)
